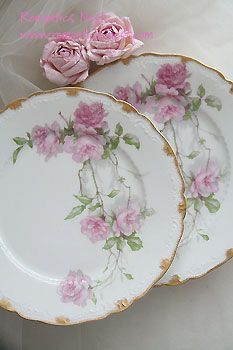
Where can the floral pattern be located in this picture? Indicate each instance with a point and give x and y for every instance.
(168, 98)
(87, 138)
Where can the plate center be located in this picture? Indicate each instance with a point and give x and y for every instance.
(33, 232)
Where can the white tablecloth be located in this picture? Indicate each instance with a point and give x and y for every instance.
(195, 316)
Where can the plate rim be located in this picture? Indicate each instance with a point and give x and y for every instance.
(122, 304)
(175, 280)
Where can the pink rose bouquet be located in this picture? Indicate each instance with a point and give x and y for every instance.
(66, 60)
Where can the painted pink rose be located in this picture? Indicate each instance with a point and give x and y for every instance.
(84, 148)
(163, 90)
(131, 95)
(47, 139)
(76, 288)
(205, 182)
(151, 105)
(172, 75)
(65, 61)
(95, 228)
(92, 115)
(128, 220)
(169, 108)
(112, 39)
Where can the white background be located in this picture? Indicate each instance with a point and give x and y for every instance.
(195, 316)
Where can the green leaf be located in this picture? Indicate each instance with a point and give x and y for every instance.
(120, 243)
(30, 144)
(16, 153)
(94, 207)
(205, 237)
(94, 299)
(198, 204)
(121, 179)
(214, 102)
(131, 139)
(109, 243)
(190, 202)
(75, 212)
(224, 173)
(196, 103)
(135, 243)
(128, 276)
(106, 153)
(212, 204)
(113, 193)
(188, 115)
(83, 199)
(114, 142)
(119, 129)
(201, 91)
(20, 141)
(202, 141)
(193, 154)
(148, 212)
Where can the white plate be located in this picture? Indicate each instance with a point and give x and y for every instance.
(81, 236)
(196, 118)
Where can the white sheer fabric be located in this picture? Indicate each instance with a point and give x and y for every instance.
(201, 29)
(178, 26)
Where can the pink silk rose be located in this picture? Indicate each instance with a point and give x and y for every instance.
(47, 139)
(205, 182)
(92, 115)
(65, 61)
(95, 228)
(76, 288)
(128, 220)
(113, 38)
(172, 75)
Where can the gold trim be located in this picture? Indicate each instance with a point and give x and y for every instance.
(125, 304)
(73, 92)
(64, 321)
(183, 59)
(5, 304)
(128, 108)
(168, 150)
(165, 264)
(15, 104)
(127, 60)
(175, 280)
(229, 253)
(182, 208)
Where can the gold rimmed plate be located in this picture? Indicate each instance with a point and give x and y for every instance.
(191, 104)
(88, 223)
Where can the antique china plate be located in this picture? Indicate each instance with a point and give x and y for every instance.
(92, 206)
(191, 104)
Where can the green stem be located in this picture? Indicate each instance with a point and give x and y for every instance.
(116, 164)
